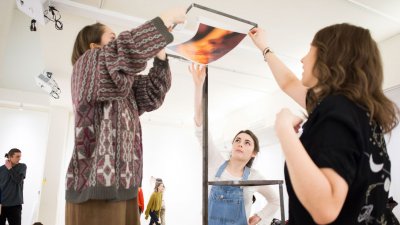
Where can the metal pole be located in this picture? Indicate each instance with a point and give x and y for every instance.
(281, 203)
(225, 14)
(205, 149)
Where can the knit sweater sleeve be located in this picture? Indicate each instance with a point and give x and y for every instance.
(150, 90)
(108, 73)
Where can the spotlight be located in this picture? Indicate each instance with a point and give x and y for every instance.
(47, 83)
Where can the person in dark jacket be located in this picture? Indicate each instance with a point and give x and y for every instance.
(12, 175)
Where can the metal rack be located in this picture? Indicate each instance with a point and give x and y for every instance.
(205, 182)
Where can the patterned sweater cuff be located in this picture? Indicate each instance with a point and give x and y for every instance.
(163, 29)
(159, 62)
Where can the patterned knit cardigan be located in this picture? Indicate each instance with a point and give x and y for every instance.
(108, 96)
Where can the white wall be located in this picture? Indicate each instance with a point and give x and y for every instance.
(50, 201)
(66, 157)
(24, 52)
(6, 16)
(173, 154)
(391, 67)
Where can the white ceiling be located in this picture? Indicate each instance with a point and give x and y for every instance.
(240, 85)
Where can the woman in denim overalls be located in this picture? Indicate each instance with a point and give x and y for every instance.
(228, 204)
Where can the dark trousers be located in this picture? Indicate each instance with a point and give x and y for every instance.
(12, 214)
(153, 218)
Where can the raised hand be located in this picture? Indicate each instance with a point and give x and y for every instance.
(173, 16)
(8, 164)
(286, 120)
(198, 73)
(258, 37)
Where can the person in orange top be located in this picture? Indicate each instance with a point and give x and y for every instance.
(140, 200)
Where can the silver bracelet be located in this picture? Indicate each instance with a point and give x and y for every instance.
(265, 52)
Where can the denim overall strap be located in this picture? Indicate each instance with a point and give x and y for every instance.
(246, 173)
(226, 203)
(221, 169)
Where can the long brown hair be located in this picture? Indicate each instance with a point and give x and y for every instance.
(348, 62)
(89, 34)
(256, 144)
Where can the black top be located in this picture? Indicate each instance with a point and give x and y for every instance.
(340, 136)
(12, 184)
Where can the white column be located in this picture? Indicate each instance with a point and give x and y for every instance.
(53, 168)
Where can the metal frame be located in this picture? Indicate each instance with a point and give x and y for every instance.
(205, 181)
(194, 5)
(205, 134)
(205, 149)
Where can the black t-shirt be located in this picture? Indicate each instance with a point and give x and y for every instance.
(339, 135)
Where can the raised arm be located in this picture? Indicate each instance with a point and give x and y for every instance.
(18, 173)
(108, 73)
(199, 74)
(285, 78)
(150, 90)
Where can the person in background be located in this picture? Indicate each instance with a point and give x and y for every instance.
(162, 210)
(245, 147)
(338, 171)
(140, 200)
(12, 176)
(108, 96)
(154, 204)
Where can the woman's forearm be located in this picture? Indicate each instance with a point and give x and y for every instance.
(198, 109)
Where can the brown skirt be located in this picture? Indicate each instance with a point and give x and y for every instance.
(102, 212)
